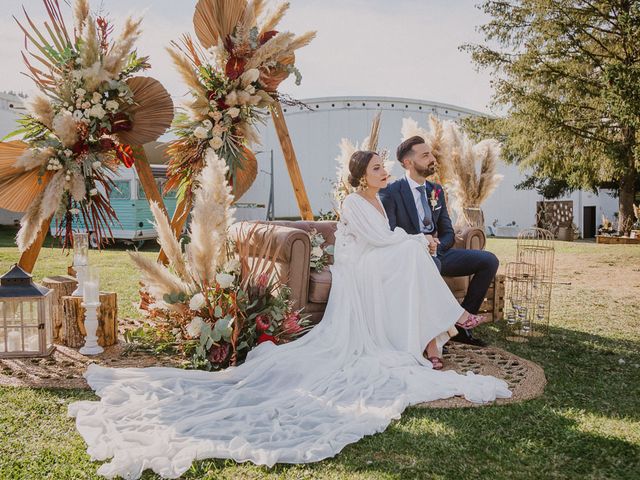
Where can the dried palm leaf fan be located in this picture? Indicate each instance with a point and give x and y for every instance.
(18, 188)
(80, 130)
(233, 74)
(151, 111)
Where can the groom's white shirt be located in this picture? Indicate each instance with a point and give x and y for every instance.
(416, 197)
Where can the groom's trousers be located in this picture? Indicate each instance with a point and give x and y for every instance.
(483, 265)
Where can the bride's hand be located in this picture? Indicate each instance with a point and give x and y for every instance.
(433, 244)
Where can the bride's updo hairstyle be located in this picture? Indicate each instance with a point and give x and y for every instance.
(358, 164)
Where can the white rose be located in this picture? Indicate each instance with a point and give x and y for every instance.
(97, 111)
(112, 105)
(225, 280)
(201, 132)
(217, 115)
(207, 124)
(194, 327)
(317, 251)
(80, 92)
(216, 143)
(197, 302)
(96, 97)
(249, 76)
(86, 105)
(77, 115)
(233, 112)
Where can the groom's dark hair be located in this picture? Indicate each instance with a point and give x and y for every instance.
(405, 147)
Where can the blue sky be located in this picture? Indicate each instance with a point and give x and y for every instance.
(401, 48)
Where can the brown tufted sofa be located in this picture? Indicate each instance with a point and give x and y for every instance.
(310, 289)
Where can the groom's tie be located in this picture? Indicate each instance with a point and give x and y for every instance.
(427, 221)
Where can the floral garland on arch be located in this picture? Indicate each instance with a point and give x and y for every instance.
(233, 75)
(81, 127)
(211, 304)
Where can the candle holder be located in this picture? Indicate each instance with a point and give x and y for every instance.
(80, 260)
(91, 294)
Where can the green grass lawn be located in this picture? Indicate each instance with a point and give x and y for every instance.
(586, 425)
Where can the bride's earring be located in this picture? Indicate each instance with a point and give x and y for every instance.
(363, 183)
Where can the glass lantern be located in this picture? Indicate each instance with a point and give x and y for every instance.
(26, 328)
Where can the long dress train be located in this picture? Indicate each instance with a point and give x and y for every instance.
(353, 373)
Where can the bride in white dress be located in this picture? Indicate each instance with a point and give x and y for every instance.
(350, 376)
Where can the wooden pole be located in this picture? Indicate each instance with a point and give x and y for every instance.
(30, 255)
(149, 184)
(292, 163)
(179, 218)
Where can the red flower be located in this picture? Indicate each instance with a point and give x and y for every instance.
(262, 323)
(106, 144)
(235, 67)
(266, 338)
(125, 155)
(80, 147)
(120, 122)
(221, 104)
(219, 353)
(266, 36)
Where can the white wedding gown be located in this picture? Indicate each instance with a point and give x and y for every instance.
(353, 373)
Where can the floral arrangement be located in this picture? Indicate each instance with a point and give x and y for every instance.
(213, 303)
(319, 254)
(79, 130)
(233, 75)
(435, 195)
(458, 161)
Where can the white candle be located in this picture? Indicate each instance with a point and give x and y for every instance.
(91, 291)
(14, 341)
(79, 260)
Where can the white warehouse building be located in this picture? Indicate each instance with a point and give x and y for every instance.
(316, 134)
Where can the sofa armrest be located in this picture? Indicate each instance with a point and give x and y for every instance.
(291, 249)
(471, 238)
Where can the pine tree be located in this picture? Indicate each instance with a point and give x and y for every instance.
(567, 74)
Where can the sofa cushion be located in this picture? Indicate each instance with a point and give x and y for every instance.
(319, 286)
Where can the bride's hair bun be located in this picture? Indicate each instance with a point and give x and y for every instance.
(358, 164)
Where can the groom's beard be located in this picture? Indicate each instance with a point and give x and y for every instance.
(427, 171)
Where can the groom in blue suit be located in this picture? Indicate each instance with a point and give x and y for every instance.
(418, 206)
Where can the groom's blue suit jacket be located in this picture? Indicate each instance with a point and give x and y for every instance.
(400, 205)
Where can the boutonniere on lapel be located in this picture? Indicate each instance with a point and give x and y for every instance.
(435, 193)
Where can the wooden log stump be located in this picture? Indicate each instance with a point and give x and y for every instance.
(62, 286)
(73, 331)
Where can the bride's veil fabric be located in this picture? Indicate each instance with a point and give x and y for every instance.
(350, 376)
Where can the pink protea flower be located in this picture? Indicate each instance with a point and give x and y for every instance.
(262, 323)
(290, 325)
(262, 282)
(219, 353)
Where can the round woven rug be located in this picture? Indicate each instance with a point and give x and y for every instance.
(65, 366)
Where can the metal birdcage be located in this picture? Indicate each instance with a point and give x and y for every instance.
(528, 284)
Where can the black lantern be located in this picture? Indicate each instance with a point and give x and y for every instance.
(25, 316)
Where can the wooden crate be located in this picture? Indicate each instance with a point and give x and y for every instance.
(494, 301)
(617, 240)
